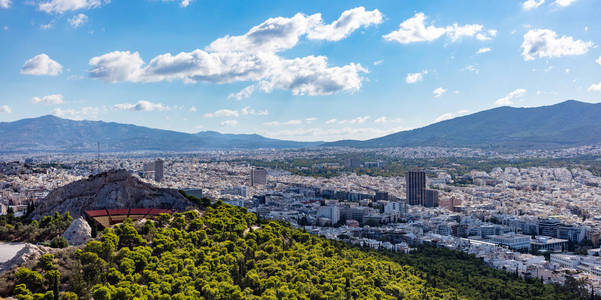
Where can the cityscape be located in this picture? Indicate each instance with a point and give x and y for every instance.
(300, 150)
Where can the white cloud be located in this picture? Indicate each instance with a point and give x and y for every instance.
(377, 62)
(531, 4)
(182, 3)
(598, 60)
(472, 68)
(415, 77)
(141, 105)
(192, 109)
(41, 65)
(564, 3)
(311, 119)
(50, 99)
(117, 66)
(87, 112)
(5, 109)
(5, 3)
(78, 20)
(357, 120)
(330, 134)
(331, 121)
(444, 117)
(483, 50)
(287, 123)
(243, 94)
(508, 100)
(251, 57)
(249, 111)
(595, 87)
(229, 123)
(385, 120)
(544, 43)
(62, 6)
(463, 112)
(439, 92)
(347, 23)
(223, 113)
(415, 30)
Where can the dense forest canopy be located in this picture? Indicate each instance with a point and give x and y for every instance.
(224, 252)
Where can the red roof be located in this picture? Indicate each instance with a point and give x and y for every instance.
(139, 211)
(118, 211)
(96, 213)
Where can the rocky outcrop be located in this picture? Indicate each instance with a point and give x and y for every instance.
(28, 253)
(112, 189)
(79, 232)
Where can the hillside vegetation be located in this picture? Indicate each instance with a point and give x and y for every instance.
(226, 253)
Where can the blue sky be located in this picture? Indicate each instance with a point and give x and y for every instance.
(302, 70)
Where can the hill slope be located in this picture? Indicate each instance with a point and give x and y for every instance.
(50, 133)
(226, 253)
(569, 123)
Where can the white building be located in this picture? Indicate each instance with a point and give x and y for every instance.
(512, 240)
(330, 212)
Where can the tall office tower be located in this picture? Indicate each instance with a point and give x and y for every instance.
(431, 198)
(416, 187)
(258, 176)
(158, 170)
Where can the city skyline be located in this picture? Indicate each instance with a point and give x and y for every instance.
(345, 70)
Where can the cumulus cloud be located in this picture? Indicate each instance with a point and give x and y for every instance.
(357, 120)
(243, 94)
(229, 123)
(564, 3)
(598, 60)
(78, 20)
(5, 109)
(439, 92)
(5, 3)
(483, 50)
(252, 57)
(77, 114)
(508, 100)
(62, 6)
(192, 109)
(141, 105)
(444, 117)
(595, 87)
(348, 22)
(385, 120)
(223, 113)
(250, 111)
(415, 30)
(50, 99)
(415, 77)
(540, 43)
(182, 3)
(330, 134)
(531, 4)
(41, 65)
(278, 123)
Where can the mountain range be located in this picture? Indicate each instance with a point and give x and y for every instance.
(51, 133)
(570, 123)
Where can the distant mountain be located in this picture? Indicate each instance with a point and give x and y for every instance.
(51, 133)
(570, 123)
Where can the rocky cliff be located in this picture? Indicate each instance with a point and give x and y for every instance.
(112, 189)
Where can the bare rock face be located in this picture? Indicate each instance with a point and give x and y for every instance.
(112, 189)
(28, 253)
(79, 232)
